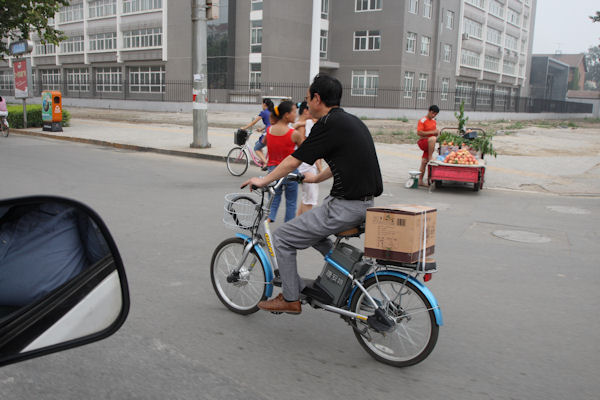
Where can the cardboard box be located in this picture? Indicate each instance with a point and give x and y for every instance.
(395, 232)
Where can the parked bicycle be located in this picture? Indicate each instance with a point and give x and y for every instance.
(238, 158)
(395, 317)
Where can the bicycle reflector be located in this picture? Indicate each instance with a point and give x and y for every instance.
(427, 277)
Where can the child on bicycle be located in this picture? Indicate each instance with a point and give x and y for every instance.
(281, 142)
(3, 112)
(265, 116)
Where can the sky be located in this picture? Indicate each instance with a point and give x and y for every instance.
(564, 25)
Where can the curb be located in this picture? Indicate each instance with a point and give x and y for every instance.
(121, 146)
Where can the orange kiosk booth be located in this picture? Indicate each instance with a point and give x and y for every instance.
(52, 111)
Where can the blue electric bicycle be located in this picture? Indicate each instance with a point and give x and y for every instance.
(395, 317)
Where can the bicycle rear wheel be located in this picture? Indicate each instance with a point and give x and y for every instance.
(415, 333)
(237, 161)
(240, 290)
(4, 128)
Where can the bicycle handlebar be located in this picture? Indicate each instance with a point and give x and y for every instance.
(296, 177)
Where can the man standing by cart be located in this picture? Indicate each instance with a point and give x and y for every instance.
(428, 133)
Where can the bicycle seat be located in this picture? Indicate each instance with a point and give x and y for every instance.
(352, 232)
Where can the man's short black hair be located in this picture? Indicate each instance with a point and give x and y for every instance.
(435, 109)
(329, 89)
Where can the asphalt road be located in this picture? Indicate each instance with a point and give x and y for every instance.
(521, 319)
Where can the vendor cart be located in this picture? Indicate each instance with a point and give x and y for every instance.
(439, 171)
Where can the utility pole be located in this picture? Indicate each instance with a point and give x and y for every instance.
(199, 71)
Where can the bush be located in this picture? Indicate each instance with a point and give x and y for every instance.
(34, 116)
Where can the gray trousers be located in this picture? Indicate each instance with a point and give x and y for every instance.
(312, 228)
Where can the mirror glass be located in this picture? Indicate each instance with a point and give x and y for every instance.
(62, 282)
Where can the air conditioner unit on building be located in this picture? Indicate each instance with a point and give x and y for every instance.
(465, 36)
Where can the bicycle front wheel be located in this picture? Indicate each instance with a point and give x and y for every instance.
(237, 161)
(415, 333)
(241, 289)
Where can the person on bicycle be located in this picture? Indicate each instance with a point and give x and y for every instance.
(265, 116)
(281, 141)
(3, 112)
(346, 145)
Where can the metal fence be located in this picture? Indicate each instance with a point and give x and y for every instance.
(252, 93)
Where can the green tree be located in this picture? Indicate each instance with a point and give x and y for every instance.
(595, 18)
(574, 84)
(592, 58)
(22, 17)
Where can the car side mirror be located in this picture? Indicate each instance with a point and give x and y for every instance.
(62, 280)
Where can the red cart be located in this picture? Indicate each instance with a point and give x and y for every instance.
(438, 171)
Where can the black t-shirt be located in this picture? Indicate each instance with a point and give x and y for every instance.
(345, 143)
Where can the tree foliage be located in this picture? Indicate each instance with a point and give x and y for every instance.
(20, 18)
(595, 18)
(592, 59)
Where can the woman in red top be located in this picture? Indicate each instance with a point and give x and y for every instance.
(281, 142)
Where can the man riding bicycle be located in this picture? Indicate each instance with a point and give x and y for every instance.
(345, 143)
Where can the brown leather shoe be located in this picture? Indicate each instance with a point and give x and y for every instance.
(279, 304)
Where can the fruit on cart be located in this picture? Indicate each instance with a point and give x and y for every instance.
(462, 156)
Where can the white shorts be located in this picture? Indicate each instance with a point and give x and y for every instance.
(3, 113)
(310, 191)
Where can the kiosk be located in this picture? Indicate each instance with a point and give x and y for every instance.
(52, 111)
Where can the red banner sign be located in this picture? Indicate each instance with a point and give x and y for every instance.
(20, 71)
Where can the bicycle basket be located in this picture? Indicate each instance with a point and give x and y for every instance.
(240, 136)
(241, 211)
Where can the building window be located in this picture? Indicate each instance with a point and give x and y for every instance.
(496, 8)
(255, 76)
(72, 45)
(103, 41)
(523, 45)
(71, 13)
(473, 28)
(510, 42)
(476, 3)
(258, 5)
(447, 54)
(422, 93)
(484, 94)
(445, 89)
(323, 44)
(147, 79)
(413, 6)
(494, 36)
(500, 95)
(131, 6)
(256, 36)
(464, 91)
(7, 80)
(324, 9)
(508, 67)
(525, 22)
(411, 42)
(102, 8)
(44, 49)
(427, 8)
(78, 79)
(491, 63)
(365, 83)
(141, 38)
(51, 79)
(109, 79)
(449, 19)
(425, 45)
(409, 80)
(512, 16)
(470, 58)
(367, 40)
(367, 5)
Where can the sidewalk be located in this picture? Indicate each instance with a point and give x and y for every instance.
(568, 175)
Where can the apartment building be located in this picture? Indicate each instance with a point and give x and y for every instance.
(387, 53)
